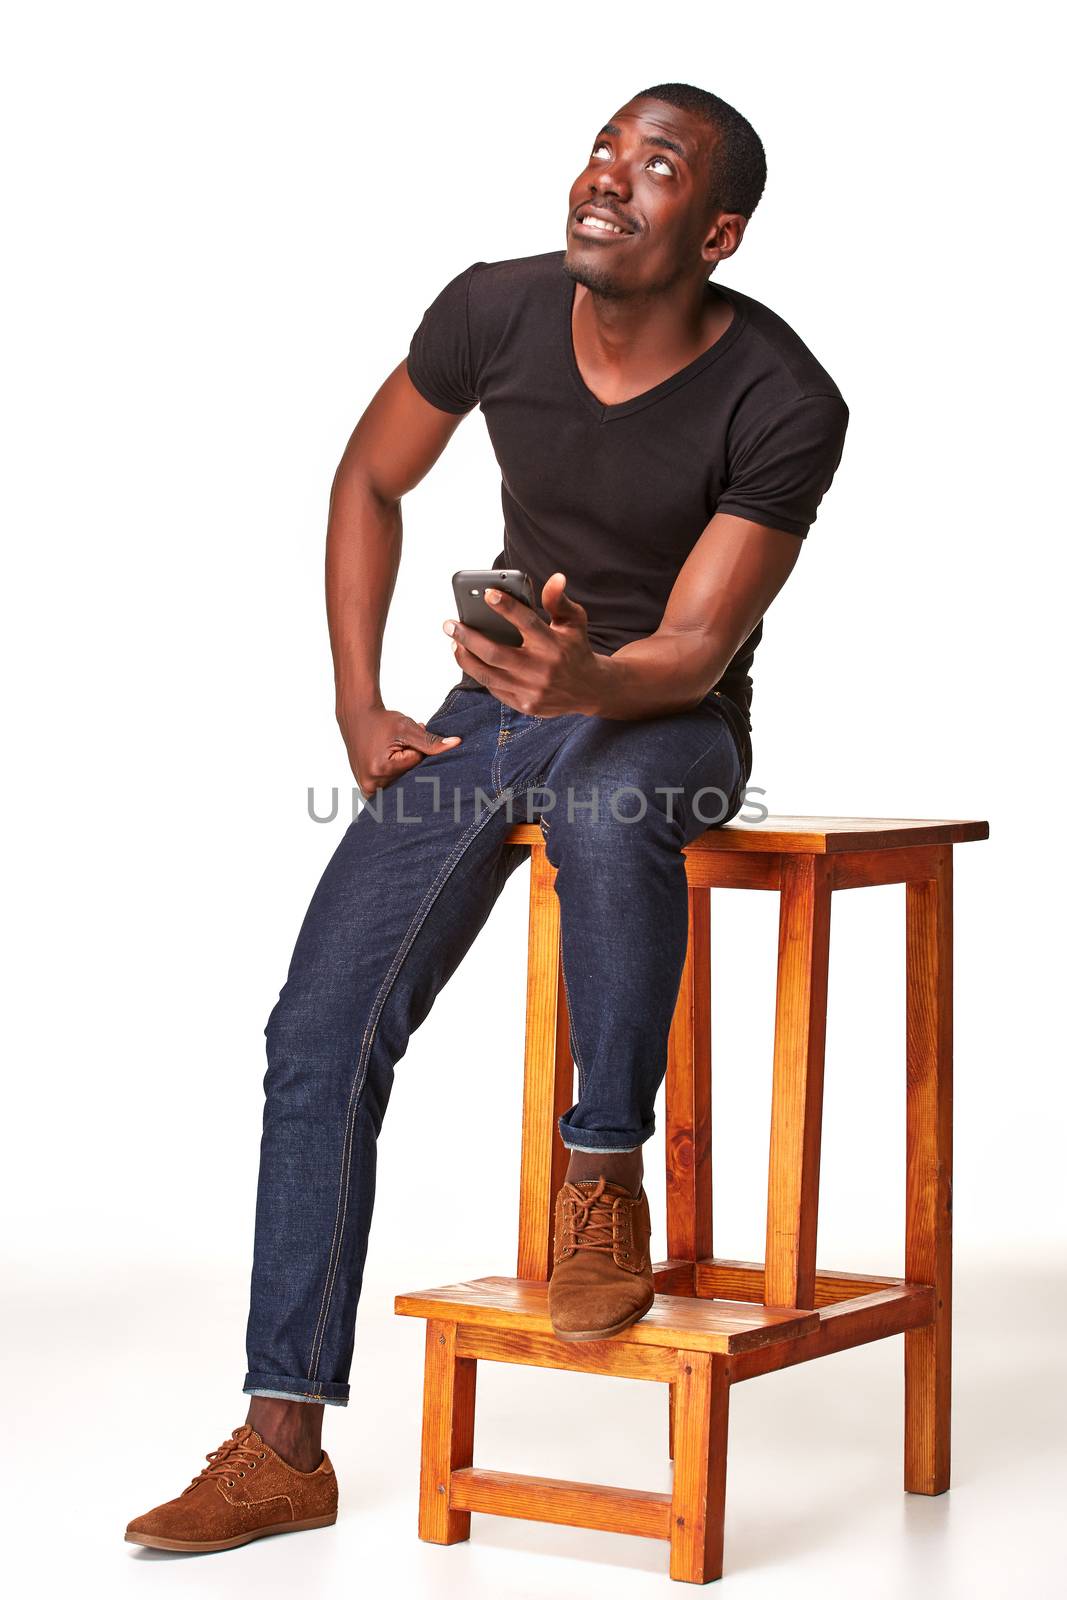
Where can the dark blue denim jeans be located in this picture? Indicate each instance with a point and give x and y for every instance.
(400, 903)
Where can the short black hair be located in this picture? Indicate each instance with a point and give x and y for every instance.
(738, 164)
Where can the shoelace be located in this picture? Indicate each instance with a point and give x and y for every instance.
(233, 1458)
(591, 1225)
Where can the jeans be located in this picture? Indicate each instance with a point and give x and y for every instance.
(409, 887)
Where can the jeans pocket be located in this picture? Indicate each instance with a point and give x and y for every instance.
(446, 704)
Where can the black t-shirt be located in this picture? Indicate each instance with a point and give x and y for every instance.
(617, 496)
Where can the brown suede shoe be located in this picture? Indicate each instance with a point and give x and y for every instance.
(245, 1492)
(602, 1274)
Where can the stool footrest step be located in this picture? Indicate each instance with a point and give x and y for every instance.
(576, 1505)
(679, 1322)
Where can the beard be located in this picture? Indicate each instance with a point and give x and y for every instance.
(597, 279)
(601, 281)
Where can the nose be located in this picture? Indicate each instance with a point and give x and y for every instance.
(612, 178)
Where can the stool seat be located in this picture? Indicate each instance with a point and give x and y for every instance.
(785, 835)
(716, 1322)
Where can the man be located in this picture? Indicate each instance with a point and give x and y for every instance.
(664, 444)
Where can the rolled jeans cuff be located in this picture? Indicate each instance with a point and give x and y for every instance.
(271, 1386)
(591, 1139)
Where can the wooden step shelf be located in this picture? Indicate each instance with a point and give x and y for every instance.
(685, 1338)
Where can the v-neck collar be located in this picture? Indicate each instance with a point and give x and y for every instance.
(658, 391)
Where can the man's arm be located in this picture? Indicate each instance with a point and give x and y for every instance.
(729, 578)
(728, 581)
(395, 443)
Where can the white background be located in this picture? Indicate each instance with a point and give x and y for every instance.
(225, 223)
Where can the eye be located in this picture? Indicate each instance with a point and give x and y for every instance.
(604, 146)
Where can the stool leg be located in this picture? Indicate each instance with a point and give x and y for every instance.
(688, 1096)
(447, 1433)
(928, 1240)
(548, 1081)
(698, 1499)
(796, 1106)
(687, 1100)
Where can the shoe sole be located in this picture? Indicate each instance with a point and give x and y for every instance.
(153, 1541)
(570, 1336)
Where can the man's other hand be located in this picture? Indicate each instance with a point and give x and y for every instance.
(383, 744)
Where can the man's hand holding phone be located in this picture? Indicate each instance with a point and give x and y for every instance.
(552, 672)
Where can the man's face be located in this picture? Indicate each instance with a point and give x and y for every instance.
(648, 174)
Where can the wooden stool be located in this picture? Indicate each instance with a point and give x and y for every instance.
(716, 1322)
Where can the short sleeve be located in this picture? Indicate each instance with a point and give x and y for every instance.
(439, 357)
(781, 465)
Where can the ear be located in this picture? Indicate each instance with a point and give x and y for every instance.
(723, 237)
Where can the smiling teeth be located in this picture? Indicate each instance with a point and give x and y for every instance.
(598, 222)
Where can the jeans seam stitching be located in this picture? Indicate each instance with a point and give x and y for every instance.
(513, 733)
(355, 1094)
(494, 770)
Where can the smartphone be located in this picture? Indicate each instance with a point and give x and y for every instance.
(473, 609)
